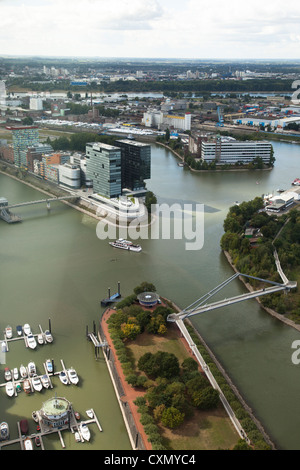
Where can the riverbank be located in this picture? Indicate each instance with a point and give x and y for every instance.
(273, 313)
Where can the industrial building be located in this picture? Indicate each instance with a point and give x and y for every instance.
(155, 118)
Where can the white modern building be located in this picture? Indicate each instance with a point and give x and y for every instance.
(2, 93)
(230, 151)
(36, 103)
(69, 175)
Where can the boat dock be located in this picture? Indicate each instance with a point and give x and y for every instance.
(73, 426)
(46, 372)
(111, 298)
(6, 341)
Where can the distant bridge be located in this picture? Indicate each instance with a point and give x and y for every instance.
(9, 217)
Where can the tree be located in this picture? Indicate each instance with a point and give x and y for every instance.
(206, 399)
(150, 200)
(130, 330)
(167, 135)
(189, 364)
(172, 417)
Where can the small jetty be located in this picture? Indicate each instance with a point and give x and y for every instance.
(24, 337)
(111, 298)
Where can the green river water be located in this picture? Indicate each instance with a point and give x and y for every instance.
(52, 265)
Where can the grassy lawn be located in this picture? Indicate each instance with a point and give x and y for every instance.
(205, 430)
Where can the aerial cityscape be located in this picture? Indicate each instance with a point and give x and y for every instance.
(150, 228)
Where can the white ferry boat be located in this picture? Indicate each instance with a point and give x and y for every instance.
(125, 245)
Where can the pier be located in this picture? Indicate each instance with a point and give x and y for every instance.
(6, 341)
(111, 298)
(73, 426)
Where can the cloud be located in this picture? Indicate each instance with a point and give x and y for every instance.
(150, 28)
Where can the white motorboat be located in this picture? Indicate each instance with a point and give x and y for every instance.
(3, 347)
(31, 341)
(16, 373)
(27, 329)
(49, 366)
(19, 330)
(36, 383)
(8, 332)
(28, 444)
(31, 369)
(40, 339)
(63, 378)
(73, 377)
(10, 389)
(48, 336)
(90, 413)
(27, 386)
(77, 436)
(7, 374)
(4, 431)
(23, 372)
(84, 431)
(45, 381)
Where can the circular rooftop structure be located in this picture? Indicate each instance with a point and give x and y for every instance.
(148, 299)
(55, 412)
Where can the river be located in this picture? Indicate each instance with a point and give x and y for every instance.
(53, 265)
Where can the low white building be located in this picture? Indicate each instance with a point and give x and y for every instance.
(69, 175)
(155, 118)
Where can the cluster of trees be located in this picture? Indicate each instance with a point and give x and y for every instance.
(258, 260)
(78, 141)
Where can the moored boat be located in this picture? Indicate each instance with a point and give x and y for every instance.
(3, 347)
(85, 432)
(4, 431)
(45, 381)
(63, 378)
(10, 389)
(37, 441)
(49, 366)
(24, 426)
(7, 374)
(77, 436)
(90, 413)
(28, 444)
(31, 369)
(35, 416)
(48, 336)
(18, 388)
(31, 341)
(19, 330)
(73, 377)
(26, 386)
(8, 332)
(36, 383)
(27, 329)
(40, 339)
(16, 373)
(23, 372)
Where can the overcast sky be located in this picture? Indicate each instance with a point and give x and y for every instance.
(151, 28)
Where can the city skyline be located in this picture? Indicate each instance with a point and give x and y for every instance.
(188, 29)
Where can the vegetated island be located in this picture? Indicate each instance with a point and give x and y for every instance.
(249, 240)
(168, 393)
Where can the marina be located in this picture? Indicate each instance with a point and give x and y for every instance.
(24, 333)
(78, 428)
(32, 382)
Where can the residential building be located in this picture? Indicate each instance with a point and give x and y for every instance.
(136, 164)
(104, 168)
(36, 153)
(36, 103)
(23, 137)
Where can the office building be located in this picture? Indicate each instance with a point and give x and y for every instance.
(23, 137)
(230, 151)
(136, 164)
(69, 175)
(104, 168)
(36, 153)
(36, 103)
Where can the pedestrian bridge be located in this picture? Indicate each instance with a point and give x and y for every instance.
(201, 305)
(9, 217)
